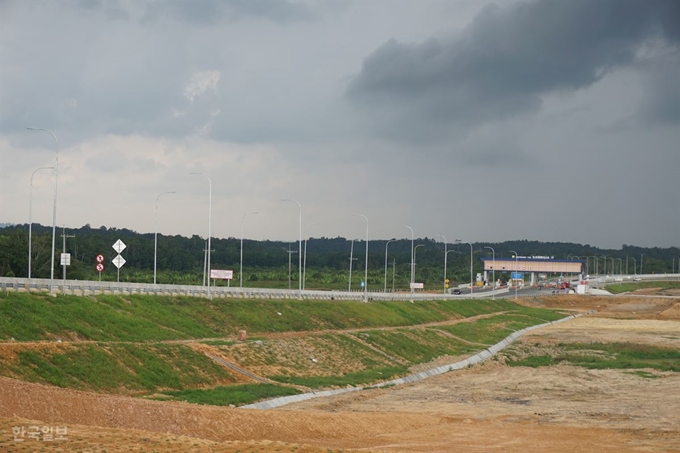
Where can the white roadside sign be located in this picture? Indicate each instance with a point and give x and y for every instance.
(65, 259)
(119, 246)
(221, 274)
(417, 285)
(118, 261)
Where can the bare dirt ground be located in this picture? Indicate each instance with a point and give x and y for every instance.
(486, 408)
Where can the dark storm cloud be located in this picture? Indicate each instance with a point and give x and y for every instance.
(507, 58)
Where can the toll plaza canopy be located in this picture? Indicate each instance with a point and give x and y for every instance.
(541, 264)
(520, 265)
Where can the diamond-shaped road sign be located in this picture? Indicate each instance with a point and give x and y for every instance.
(119, 246)
(118, 261)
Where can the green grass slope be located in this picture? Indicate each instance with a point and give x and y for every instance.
(136, 345)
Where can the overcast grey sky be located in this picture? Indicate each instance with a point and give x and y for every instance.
(482, 120)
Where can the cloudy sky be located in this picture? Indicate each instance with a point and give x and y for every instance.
(482, 120)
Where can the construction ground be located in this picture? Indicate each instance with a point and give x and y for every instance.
(492, 407)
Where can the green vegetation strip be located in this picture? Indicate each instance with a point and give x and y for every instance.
(114, 368)
(353, 379)
(492, 330)
(237, 395)
(30, 317)
(618, 288)
(599, 356)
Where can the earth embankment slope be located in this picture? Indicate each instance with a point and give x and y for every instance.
(493, 407)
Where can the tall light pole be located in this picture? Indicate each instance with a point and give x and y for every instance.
(290, 254)
(351, 258)
(516, 270)
(299, 246)
(240, 266)
(471, 280)
(641, 257)
(605, 265)
(414, 259)
(634, 265)
(209, 223)
(386, 244)
(626, 264)
(304, 262)
(155, 236)
(412, 270)
(30, 216)
(445, 254)
(493, 272)
(366, 264)
(54, 209)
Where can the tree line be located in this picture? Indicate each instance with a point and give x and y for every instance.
(266, 263)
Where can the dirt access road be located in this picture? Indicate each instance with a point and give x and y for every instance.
(487, 408)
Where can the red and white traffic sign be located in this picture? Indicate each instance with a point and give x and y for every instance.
(100, 258)
(100, 267)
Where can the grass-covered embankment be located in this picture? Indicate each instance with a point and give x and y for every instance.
(618, 288)
(30, 317)
(136, 344)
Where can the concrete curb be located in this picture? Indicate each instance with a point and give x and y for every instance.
(477, 358)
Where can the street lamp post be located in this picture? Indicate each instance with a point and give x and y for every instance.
(366, 264)
(304, 262)
(414, 259)
(493, 273)
(605, 265)
(351, 259)
(54, 209)
(299, 246)
(30, 217)
(641, 257)
(634, 265)
(516, 270)
(446, 258)
(240, 266)
(155, 236)
(290, 254)
(209, 223)
(445, 254)
(471, 280)
(412, 273)
(386, 244)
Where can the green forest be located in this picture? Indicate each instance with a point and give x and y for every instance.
(181, 260)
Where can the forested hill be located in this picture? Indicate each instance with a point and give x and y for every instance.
(182, 255)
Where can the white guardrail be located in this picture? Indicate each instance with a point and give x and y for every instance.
(85, 288)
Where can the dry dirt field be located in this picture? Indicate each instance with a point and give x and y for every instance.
(488, 408)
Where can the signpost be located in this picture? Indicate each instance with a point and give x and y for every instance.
(416, 285)
(65, 257)
(100, 265)
(118, 261)
(220, 274)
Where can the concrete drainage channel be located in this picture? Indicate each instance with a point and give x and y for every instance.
(477, 358)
